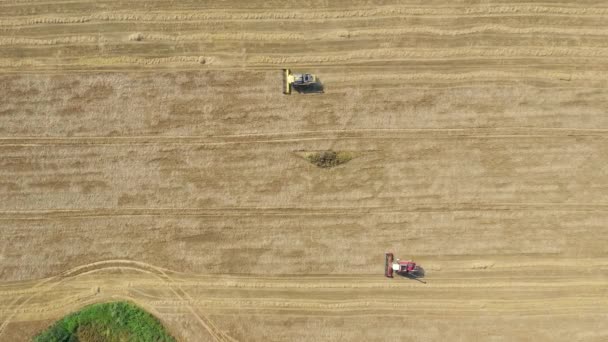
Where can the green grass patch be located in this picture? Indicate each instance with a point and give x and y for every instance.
(107, 322)
(327, 159)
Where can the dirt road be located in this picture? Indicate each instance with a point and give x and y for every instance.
(147, 153)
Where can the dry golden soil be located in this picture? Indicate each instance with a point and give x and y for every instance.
(147, 153)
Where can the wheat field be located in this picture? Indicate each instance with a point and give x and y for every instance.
(147, 153)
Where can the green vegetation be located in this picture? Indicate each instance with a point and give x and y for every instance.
(327, 159)
(107, 322)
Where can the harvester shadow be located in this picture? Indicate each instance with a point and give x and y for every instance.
(315, 88)
(416, 275)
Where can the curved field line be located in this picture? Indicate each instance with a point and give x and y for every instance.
(17, 304)
(205, 322)
(216, 333)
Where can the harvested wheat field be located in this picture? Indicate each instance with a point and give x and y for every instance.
(147, 154)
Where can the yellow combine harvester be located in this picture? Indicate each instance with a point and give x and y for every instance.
(296, 80)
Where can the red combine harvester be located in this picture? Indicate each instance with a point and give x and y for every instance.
(401, 267)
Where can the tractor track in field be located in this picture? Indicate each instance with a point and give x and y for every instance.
(45, 286)
(61, 214)
(286, 137)
(360, 58)
(386, 12)
(554, 79)
(138, 282)
(153, 136)
(50, 299)
(18, 27)
(270, 36)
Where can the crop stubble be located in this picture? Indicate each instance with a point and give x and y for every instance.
(165, 170)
